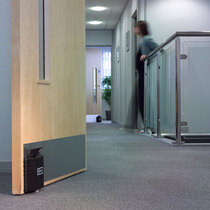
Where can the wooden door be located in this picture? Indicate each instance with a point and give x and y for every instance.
(48, 113)
(93, 81)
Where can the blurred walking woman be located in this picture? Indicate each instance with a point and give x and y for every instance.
(147, 46)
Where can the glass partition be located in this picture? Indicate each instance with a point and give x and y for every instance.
(177, 84)
(167, 100)
(195, 85)
(151, 95)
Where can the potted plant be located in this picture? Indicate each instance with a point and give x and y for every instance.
(107, 94)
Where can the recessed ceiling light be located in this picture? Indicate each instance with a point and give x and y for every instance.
(95, 22)
(98, 8)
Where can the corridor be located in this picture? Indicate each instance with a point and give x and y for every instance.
(125, 171)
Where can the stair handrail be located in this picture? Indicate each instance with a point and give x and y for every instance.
(179, 34)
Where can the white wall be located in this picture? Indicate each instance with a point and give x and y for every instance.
(98, 37)
(5, 82)
(168, 16)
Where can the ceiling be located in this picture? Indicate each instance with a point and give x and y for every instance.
(109, 17)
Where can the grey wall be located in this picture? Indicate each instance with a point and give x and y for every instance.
(5, 83)
(123, 100)
(98, 37)
(165, 18)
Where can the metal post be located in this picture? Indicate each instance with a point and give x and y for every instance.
(158, 95)
(145, 96)
(178, 93)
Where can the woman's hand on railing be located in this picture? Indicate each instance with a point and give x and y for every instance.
(143, 57)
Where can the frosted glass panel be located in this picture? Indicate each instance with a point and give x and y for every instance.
(151, 95)
(41, 40)
(184, 86)
(44, 40)
(195, 74)
(95, 86)
(167, 89)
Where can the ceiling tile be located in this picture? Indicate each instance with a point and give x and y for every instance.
(109, 17)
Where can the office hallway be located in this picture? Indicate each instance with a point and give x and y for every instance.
(125, 171)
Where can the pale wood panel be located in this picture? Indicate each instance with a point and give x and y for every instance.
(17, 149)
(58, 109)
(93, 60)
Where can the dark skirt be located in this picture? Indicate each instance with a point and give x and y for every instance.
(140, 67)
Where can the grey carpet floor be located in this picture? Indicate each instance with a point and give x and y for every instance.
(126, 171)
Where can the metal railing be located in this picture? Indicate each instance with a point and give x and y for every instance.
(178, 56)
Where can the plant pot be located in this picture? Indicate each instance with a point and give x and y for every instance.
(108, 115)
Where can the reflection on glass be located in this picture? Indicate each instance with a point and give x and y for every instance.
(167, 103)
(151, 95)
(168, 90)
(95, 86)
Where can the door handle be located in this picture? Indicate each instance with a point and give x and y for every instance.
(95, 86)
